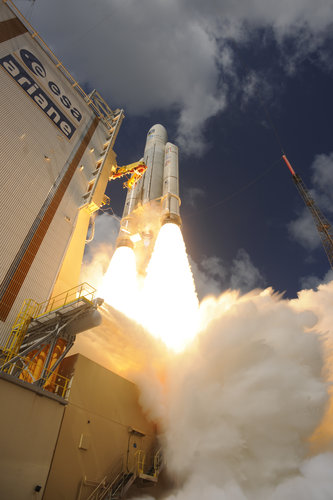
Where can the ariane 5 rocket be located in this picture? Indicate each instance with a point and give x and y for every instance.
(159, 185)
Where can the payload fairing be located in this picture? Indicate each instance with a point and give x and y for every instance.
(158, 187)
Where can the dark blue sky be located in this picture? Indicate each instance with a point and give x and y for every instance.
(217, 94)
(250, 197)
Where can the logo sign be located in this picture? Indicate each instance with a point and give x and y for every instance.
(50, 106)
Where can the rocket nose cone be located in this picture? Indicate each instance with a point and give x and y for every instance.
(158, 131)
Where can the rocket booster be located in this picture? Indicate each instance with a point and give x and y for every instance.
(159, 184)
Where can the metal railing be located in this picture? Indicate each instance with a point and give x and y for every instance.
(149, 464)
(83, 291)
(114, 485)
(31, 310)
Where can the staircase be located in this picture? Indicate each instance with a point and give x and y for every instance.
(115, 486)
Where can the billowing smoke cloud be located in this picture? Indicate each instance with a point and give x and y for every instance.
(98, 253)
(212, 275)
(180, 55)
(242, 404)
(244, 412)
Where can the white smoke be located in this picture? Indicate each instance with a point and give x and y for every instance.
(245, 411)
(241, 404)
(212, 275)
(98, 253)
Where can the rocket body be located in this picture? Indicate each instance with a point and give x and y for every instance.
(154, 155)
(159, 186)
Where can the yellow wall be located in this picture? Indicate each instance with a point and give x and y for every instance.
(69, 274)
(102, 406)
(29, 428)
(100, 186)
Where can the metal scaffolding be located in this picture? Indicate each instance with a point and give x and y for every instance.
(324, 228)
(43, 334)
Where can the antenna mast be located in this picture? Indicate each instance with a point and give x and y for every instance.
(324, 228)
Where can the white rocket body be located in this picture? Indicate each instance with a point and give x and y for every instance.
(159, 183)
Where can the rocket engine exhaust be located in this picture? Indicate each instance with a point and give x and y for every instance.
(123, 241)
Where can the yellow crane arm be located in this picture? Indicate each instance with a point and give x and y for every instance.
(136, 169)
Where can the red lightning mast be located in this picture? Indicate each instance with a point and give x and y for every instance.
(324, 228)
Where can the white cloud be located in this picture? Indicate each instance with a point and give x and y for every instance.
(304, 231)
(323, 178)
(175, 55)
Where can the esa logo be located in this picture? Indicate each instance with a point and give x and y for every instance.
(32, 63)
(39, 96)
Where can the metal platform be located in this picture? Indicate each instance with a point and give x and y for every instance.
(43, 334)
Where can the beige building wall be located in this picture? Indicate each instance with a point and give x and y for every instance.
(69, 275)
(30, 423)
(95, 436)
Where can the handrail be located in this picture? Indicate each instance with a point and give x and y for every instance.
(32, 310)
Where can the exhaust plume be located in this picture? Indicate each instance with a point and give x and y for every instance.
(243, 407)
(243, 403)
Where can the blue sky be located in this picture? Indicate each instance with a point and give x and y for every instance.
(217, 74)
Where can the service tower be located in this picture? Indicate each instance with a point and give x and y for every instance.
(56, 158)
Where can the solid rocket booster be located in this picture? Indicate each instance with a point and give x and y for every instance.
(170, 199)
(159, 183)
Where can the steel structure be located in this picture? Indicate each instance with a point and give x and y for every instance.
(44, 333)
(115, 485)
(324, 228)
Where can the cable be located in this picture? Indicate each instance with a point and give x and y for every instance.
(273, 127)
(241, 190)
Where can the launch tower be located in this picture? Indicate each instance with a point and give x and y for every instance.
(324, 228)
(56, 159)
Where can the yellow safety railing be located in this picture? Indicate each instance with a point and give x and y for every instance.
(151, 465)
(83, 291)
(140, 461)
(32, 310)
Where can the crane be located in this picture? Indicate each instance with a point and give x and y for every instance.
(324, 228)
(136, 170)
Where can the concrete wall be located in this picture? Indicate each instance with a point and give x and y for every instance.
(30, 424)
(95, 434)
